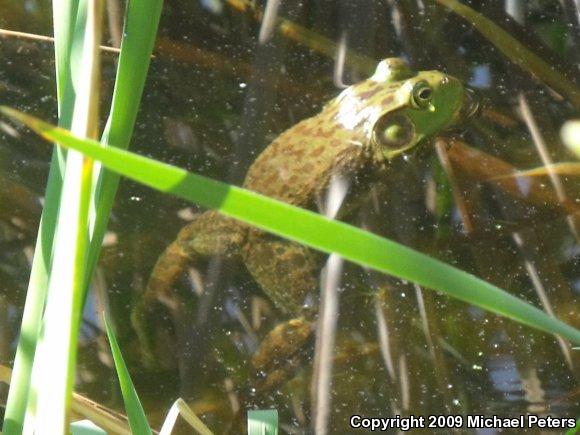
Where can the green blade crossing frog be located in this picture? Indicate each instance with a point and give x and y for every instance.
(355, 135)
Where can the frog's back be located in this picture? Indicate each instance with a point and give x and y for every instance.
(300, 161)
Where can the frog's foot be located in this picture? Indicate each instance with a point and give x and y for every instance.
(278, 355)
(211, 234)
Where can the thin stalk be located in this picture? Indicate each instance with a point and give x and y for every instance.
(55, 363)
(136, 47)
(64, 13)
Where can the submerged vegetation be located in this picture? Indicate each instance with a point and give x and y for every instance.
(490, 206)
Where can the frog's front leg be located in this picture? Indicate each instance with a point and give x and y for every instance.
(211, 234)
(288, 274)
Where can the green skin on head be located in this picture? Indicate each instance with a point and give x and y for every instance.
(401, 107)
(440, 110)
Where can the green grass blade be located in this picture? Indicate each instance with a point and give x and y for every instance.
(64, 13)
(516, 52)
(143, 18)
(140, 29)
(263, 422)
(32, 321)
(34, 304)
(54, 364)
(135, 413)
(309, 228)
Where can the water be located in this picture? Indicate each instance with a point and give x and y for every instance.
(219, 90)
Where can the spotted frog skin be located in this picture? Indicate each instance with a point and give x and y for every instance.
(355, 135)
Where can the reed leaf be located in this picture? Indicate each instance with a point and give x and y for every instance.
(136, 415)
(308, 228)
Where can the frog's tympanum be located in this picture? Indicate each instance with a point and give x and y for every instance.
(355, 135)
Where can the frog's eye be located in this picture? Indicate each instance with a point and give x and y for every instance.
(421, 95)
(393, 131)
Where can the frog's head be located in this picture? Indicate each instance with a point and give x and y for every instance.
(397, 108)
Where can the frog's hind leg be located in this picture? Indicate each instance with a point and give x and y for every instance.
(286, 271)
(211, 234)
(288, 274)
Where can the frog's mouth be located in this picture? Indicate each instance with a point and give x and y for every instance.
(470, 107)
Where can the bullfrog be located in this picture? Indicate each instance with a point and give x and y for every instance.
(355, 135)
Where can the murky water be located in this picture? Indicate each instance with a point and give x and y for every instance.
(220, 89)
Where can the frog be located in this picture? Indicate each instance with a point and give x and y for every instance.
(356, 135)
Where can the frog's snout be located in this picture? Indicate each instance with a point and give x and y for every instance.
(470, 107)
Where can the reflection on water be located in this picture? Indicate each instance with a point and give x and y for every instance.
(215, 98)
